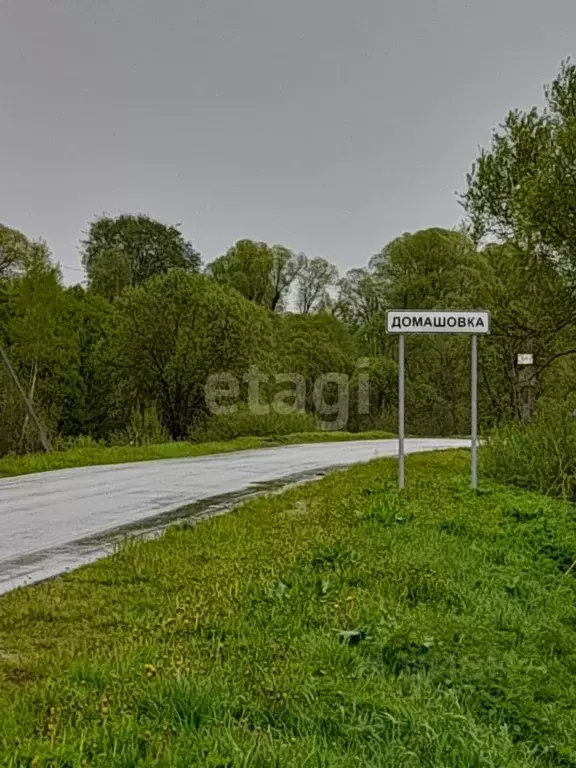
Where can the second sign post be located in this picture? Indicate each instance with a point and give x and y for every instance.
(423, 321)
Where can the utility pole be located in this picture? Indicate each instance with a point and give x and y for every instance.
(27, 404)
(31, 398)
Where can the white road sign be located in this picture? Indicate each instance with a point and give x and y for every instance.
(525, 358)
(432, 321)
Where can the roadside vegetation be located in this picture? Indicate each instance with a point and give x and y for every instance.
(87, 453)
(541, 455)
(338, 624)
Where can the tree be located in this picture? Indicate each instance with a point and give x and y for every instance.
(314, 278)
(129, 249)
(261, 273)
(430, 269)
(285, 269)
(522, 194)
(246, 267)
(16, 252)
(313, 345)
(38, 345)
(88, 390)
(309, 346)
(360, 297)
(111, 273)
(531, 306)
(523, 187)
(170, 334)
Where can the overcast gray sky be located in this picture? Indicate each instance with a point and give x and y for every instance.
(330, 126)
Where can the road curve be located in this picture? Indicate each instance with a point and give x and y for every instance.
(53, 521)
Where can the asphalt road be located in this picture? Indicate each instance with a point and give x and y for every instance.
(52, 522)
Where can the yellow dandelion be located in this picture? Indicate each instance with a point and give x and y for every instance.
(151, 670)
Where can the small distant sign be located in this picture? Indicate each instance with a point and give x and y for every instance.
(525, 359)
(428, 321)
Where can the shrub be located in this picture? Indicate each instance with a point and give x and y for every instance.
(540, 456)
(69, 443)
(145, 428)
(244, 423)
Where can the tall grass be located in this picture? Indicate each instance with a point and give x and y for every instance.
(539, 456)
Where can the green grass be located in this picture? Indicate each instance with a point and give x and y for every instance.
(98, 454)
(336, 625)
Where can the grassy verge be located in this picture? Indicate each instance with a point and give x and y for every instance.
(92, 455)
(335, 625)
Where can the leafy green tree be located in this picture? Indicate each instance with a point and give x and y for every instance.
(17, 252)
(246, 267)
(360, 297)
(522, 194)
(51, 335)
(310, 346)
(129, 249)
(111, 273)
(170, 334)
(89, 394)
(430, 269)
(37, 340)
(260, 272)
(523, 187)
(285, 269)
(314, 279)
(531, 306)
(313, 345)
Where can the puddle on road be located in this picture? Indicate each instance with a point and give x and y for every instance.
(47, 564)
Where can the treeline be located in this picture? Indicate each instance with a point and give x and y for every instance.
(127, 357)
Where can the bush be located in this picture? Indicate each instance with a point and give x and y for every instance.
(244, 423)
(69, 443)
(541, 456)
(145, 428)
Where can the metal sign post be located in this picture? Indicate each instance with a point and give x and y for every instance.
(401, 412)
(474, 412)
(433, 322)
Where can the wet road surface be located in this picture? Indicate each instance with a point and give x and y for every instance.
(52, 522)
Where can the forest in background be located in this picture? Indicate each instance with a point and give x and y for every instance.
(126, 358)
